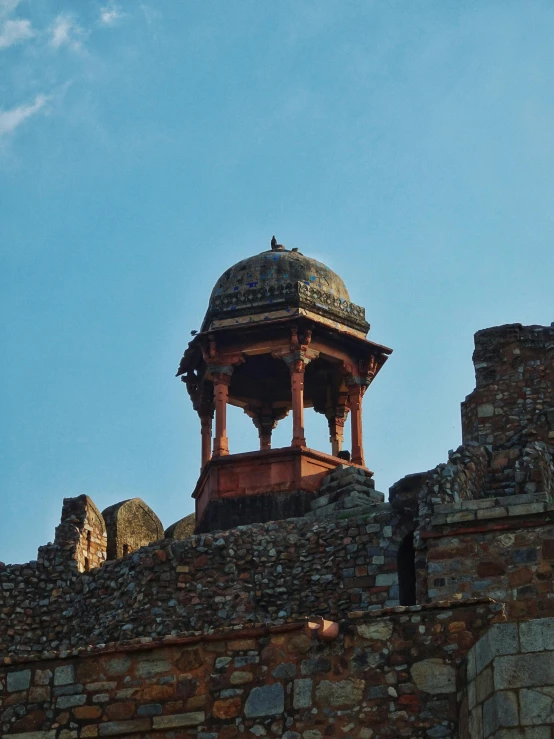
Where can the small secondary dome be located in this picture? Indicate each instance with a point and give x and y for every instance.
(261, 287)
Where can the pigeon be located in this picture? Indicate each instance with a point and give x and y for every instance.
(193, 333)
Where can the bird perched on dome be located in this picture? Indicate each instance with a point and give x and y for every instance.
(273, 243)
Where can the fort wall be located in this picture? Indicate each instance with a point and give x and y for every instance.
(208, 635)
(392, 674)
(262, 573)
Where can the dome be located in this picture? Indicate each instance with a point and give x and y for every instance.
(277, 284)
(275, 268)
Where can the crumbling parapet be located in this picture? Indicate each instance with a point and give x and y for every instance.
(513, 399)
(82, 533)
(182, 529)
(130, 525)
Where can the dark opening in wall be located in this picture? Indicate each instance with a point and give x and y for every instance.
(125, 549)
(406, 571)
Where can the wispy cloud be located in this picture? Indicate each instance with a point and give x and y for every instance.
(12, 119)
(7, 6)
(12, 32)
(109, 15)
(65, 32)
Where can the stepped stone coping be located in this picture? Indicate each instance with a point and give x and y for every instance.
(489, 508)
(439, 605)
(472, 505)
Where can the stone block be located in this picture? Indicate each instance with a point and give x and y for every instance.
(485, 410)
(523, 670)
(537, 732)
(537, 635)
(285, 671)
(151, 667)
(504, 639)
(471, 695)
(537, 706)
(302, 693)
(178, 720)
(315, 666)
(380, 630)
(116, 665)
(341, 693)
(69, 701)
(37, 735)
(434, 676)
(43, 677)
(526, 509)
(490, 717)
(483, 653)
(386, 579)
(460, 517)
(267, 700)
(116, 728)
(483, 685)
(19, 680)
(471, 670)
(496, 512)
(64, 675)
(319, 502)
(476, 723)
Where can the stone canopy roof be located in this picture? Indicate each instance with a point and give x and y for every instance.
(277, 284)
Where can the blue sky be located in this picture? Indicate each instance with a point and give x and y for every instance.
(147, 146)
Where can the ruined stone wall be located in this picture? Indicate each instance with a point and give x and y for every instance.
(500, 547)
(392, 674)
(262, 573)
(511, 409)
(82, 533)
(130, 524)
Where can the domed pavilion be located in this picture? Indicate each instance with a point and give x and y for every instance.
(280, 334)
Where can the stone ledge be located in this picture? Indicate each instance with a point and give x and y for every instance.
(483, 510)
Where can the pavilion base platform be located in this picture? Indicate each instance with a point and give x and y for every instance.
(261, 486)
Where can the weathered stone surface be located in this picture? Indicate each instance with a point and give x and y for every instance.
(130, 525)
(302, 696)
(64, 675)
(286, 671)
(19, 680)
(228, 708)
(267, 700)
(68, 701)
(537, 706)
(340, 693)
(116, 728)
(148, 667)
(181, 529)
(380, 630)
(178, 720)
(523, 671)
(537, 635)
(116, 665)
(433, 676)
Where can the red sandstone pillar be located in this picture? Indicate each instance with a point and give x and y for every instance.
(265, 437)
(206, 432)
(355, 402)
(336, 434)
(221, 394)
(297, 389)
